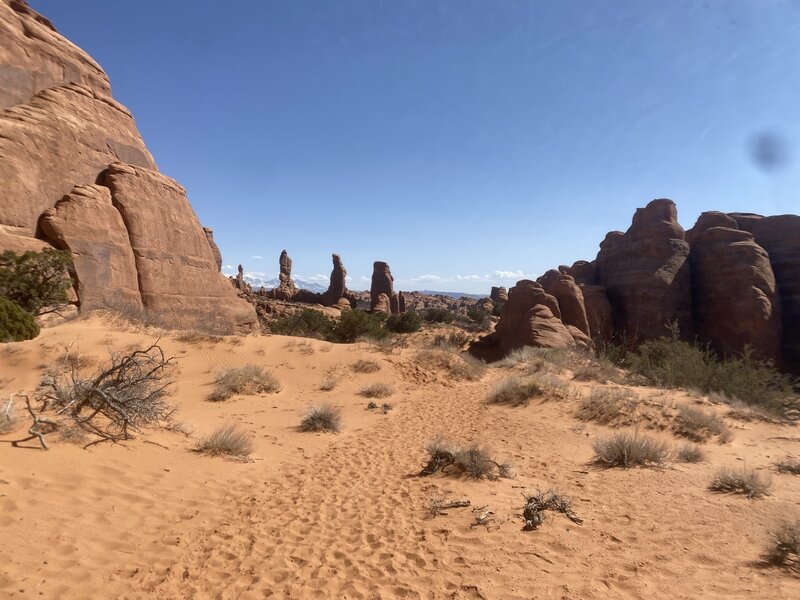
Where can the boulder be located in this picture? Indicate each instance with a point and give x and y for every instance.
(382, 283)
(570, 298)
(86, 223)
(735, 297)
(780, 237)
(528, 319)
(646, 274)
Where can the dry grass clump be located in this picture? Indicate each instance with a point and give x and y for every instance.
(538, 502)
(323, 417)
(515, 391)
(376, 390)
(473, 461)
(787, 465)
(741, 481)
(327, 384)
(606, 405)
(627, 450)
(699, 425)
(249, 379)
(597, 369)
(783, 548)
(228, 440)
(689, 453)
(536, 359)
(365, 366)
(460, 366)
(7, 417)
(454, 340)
(199, 337)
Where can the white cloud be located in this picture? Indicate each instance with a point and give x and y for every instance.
(318, 278)
(257, 257)
(426, 278)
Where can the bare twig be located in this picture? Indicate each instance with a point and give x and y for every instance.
(40, 426)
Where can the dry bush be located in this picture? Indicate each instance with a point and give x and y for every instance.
(783, 548)
(473, 461)
(365, 366)
(699, 425)
(327, 384)
(199, 337)
(553, 385)
(538, 502)
(741, 481)
(228, 440)
(322, 418)
(376, 390)
(7, 416)
(787, 465)
(455, 340)
(537, 359)
(460, 366)
(386, 407)
(627, 450)
(606, 405)
(515, 391)
(597, 369)
(689, 453)
(249, 379)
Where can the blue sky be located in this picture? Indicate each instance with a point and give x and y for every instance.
(467, 143)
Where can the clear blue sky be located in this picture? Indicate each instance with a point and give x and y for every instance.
(464, 142)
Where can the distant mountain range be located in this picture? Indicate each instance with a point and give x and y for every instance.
(274, 282)
(452, 294)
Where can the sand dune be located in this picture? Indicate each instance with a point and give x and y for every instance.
(344, 515)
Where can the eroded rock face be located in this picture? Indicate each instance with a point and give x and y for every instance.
(530, 318)
(382, 283)
(598, 314)
(646, 274)
(382, 304)
(86, 223)
(780, 237)
(214, 248)
(570, 298)
(582, 271)
(286, 290)
(60, 128)
(498, 294)
(337, 288)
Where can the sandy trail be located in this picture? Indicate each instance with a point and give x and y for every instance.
(344, 516)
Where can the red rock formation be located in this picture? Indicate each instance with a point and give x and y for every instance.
(382, 304)
(60, 128)
(214, 248)
(780, 237)
(598, 314)
(498, 294)
(337, 293)
(401, 300)
(736, 303)
(646, 274)
(286, 290)
(382, 283)
(570, 298)
(529, 318)
(582, 271)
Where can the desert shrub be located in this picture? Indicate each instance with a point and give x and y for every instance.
(783, 548)
(479, 316)
(36, 281)
(629, 450)
(538, 502)
(689, 453)
(366, 366)
(698, 425)
(497, 308)
(439, 315)
(672, 363)
(249, 379)
(386, 407)
(536, 359)
(321, 418)
(787, 465)
(8, 418)
(472, 461)
(606, 405)
(227, 440)
(454, 340)
(460, 366)
(515, 391)
(376, 390)
(741, 481)
(327, 384)
(355, 324)
(597, 369)
(16, 325)
(408, 322)
(307, 323)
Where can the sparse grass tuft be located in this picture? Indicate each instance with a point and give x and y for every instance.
(249, 379)
(366, 366)
(789, 465)
(606, 405)
(515, 391)
(699, 425)
(376, 390)
(199, 337)
(627, 450)
(327, 384)
(227, 440)
(783, 548)
(597, 369)
(322, 418)
(455, 340)
(386, 407)
(741, 481)
(459, 366)
(536, 358)
(689, 453)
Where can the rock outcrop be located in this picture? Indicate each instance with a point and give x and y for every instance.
(498, 294)
(63, 138)
(286, 289)
(736, 302)
(646, 274)
(337, 293)
(570, 298)
(382, 283)
(598, 314)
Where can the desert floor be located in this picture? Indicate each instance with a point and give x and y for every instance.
(345, 515)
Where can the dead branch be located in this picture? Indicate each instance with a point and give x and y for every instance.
(536, 504)
(438, 507)
(40, 426)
